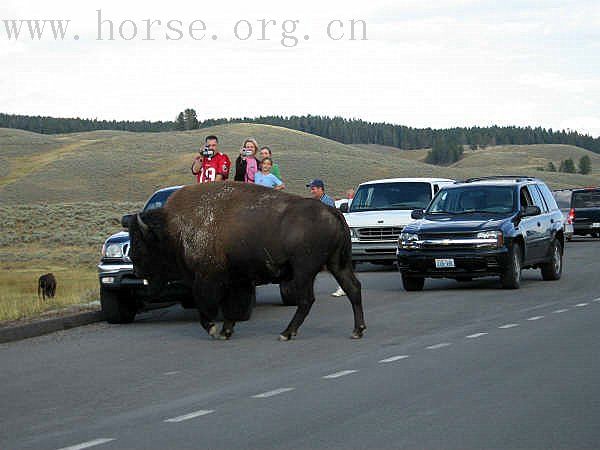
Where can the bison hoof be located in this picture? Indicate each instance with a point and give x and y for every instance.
(225, 335)
(212, 331)
(283, 338)
(357, 334)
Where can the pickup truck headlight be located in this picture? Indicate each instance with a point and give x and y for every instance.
(113, 251)
(408, 240)
(495, 237)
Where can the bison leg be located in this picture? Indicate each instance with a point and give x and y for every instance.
(304, 294)
(351, 286)
(206, 296)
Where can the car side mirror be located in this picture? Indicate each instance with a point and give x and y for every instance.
(417, 214)
(344, 207)
(532, 211)
(126, 220)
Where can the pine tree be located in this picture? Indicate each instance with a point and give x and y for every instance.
(551, 167)
(191, 119)
(567, 166)
(585, 165)
(180, 122)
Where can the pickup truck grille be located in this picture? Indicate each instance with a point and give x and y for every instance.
(379, 233)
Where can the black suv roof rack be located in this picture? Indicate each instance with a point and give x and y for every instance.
(501, 177)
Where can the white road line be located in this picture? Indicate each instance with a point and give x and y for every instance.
(88, 444)
(393, 358)
(339, 374)
(476, 335)
(175, 372)
(531, 319)
(273, 393)
(581, 305)
(596, 300)
(508, 325)
(559, 311)
(436, 346)
(193, 415)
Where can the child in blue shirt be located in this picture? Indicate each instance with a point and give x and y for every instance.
(266, 178)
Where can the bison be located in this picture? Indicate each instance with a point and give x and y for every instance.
(223, 239)
(46, 286)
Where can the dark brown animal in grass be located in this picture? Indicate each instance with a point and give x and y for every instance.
(222, 239)
(46, 286)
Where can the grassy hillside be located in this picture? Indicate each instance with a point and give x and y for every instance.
(123, 166)
(61, 195)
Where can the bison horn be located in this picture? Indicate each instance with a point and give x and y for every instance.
(141, 223)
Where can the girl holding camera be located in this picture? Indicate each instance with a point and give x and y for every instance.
(246, 165)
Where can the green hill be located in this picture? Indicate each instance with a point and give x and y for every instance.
(124, 166)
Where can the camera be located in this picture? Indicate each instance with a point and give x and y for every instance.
(208, 152)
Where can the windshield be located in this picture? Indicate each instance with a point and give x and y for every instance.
(384, 196)
(589, 199)
(474, 199)
(158, 199)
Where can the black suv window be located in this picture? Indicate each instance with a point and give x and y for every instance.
(474, 199)
(586, 199)
(525, 198)
(548, 197)
(537, 198)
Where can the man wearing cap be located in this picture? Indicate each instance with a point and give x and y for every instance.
(317, 190)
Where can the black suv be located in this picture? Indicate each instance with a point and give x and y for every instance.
(481, 227)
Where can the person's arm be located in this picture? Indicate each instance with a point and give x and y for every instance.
(278, 183)
(275, 171)
(225, 168)
(240, 169)
(197, 165)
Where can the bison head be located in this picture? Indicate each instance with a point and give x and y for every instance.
(149, 251)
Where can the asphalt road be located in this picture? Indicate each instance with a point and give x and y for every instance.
(457, 366)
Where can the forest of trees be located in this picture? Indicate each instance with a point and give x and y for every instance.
(348, 131)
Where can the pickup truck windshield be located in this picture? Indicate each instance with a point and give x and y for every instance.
(589, 199)
(158, 199)
(389, 196)
(474, 199)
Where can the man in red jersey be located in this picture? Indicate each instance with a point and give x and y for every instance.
(211, 165)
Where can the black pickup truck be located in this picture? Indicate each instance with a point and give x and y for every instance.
(482, 227)
(583, 206)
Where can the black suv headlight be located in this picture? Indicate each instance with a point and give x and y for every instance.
(494, 238)
(408, 240)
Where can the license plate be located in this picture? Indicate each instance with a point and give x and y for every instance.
(444, 263)
(596, 225)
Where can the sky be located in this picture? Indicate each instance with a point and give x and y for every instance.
(437, 64)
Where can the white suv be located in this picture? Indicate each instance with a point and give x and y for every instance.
(380, 210)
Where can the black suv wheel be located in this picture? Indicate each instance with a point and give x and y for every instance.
(117, 306)
(552, 270)
(511, 278)
(412, 284)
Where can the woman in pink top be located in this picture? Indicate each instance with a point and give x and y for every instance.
(246, 165)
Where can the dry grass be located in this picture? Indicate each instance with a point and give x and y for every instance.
(18, 295)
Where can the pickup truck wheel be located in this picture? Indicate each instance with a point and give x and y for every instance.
(413, 284)
(117, 306)
(511, 278)
(552, 270)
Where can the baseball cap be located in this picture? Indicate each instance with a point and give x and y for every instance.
(316, 183)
